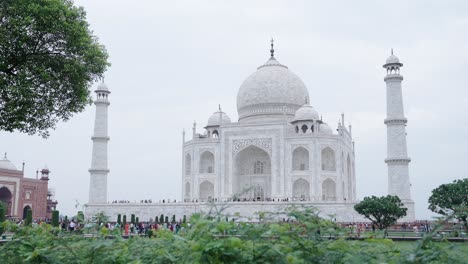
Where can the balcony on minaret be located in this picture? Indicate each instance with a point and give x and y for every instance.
(102, 94)
(393, 65)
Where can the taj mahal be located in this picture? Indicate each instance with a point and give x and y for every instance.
(280, 152)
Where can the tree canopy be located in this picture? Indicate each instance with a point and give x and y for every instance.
(452, 200)
(49, 58)
(382, 211)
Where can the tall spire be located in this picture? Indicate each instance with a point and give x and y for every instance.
(99, 170)
(391, 51)
(397, 155)
(272, 50)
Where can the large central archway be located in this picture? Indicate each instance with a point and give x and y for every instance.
(252, 174)
(5, 197)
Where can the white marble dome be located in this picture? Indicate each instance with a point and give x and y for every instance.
(102, 87)
(272, 90)
(214, 119)
(306, 113)
(325, 129)
(6, 164)
(392, 60)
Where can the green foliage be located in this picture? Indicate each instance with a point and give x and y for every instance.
(2, 216)
(209, 241)
(132, 219)
(184, 220)
(80, 217)
(28, 220)
(101, 218)
(119, 219)
(161, 219)
(48, 60)
(382, 211)
(55, 218)
(451, 199)
(156, 220)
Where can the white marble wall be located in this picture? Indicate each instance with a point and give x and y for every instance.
(248, 211)
(278, 140)
(99, 169)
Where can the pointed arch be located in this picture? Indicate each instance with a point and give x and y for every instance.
(207, 162)
(328, 190)
(349, 177)
(25, 211)
(187, 190)
(328, 159)
(188, 164)
(301, 190)
(206, 191)
(6, 197)
(300, 159)
(252, 173)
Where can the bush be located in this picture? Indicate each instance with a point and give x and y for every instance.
(28, 220)
(209, 241)
(2, 217)
(119, 219)
(55, 218)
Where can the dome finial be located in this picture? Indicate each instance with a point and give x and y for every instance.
(272, 50)
(5, 157)
(219, 107)
(391, 51)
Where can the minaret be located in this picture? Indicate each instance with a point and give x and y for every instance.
(98, 172)
(397, 157)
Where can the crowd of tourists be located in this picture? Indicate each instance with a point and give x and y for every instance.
(243, 199)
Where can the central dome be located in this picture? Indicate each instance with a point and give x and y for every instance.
(270, 93)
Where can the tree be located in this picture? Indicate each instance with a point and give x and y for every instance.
(132, 219)
(161, 219)
(119, 219)
(49, 58)
(28, 220)
(452, 200)
(80, 217)
(156, 220)
(124, 222)
(382, 211)
(55, 218)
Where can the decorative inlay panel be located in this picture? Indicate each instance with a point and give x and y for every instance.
(240, 144)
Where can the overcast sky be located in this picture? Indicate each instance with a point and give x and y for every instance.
(173, 62)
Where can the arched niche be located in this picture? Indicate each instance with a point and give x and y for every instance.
(188, 164)
(206, 191)
(6, 197)
(328, 190)
(328, 159)
(301, 190)
(252, 173)
(300, 159)
(207, 162)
